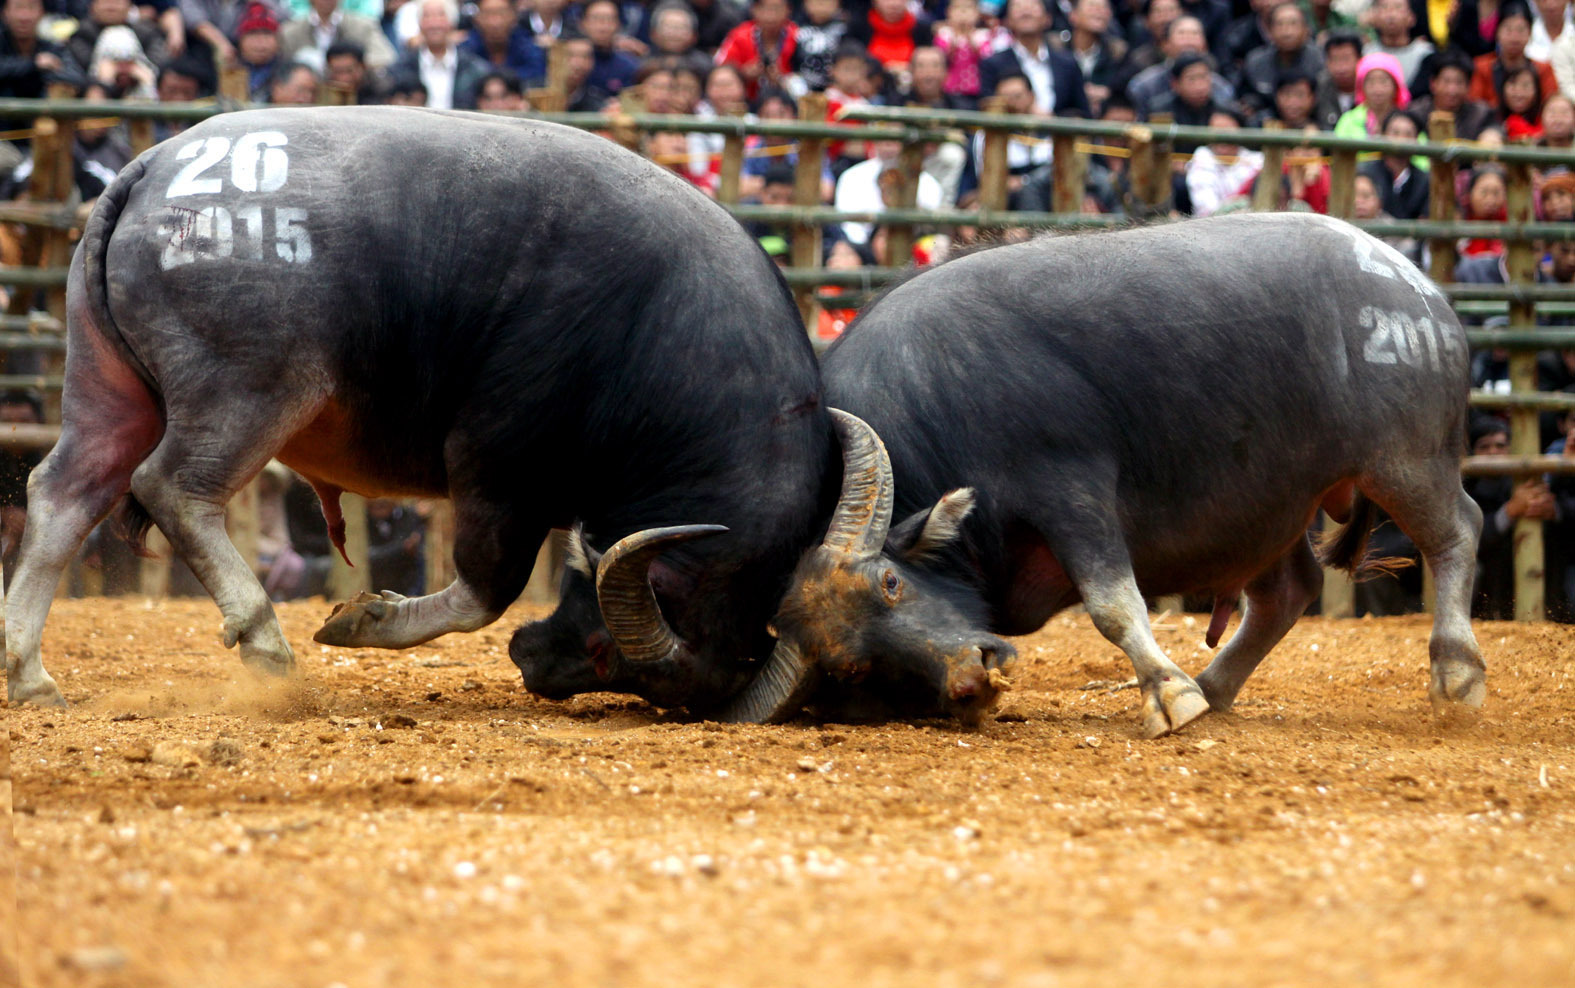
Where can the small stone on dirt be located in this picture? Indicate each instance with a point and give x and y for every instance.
(1090, 742)
(175, 755)
(122, 718)
(97, 959)
(436, 696)
(1206, 744)
(469, 686)
(137, 753)
(399, 720)
(226, 752)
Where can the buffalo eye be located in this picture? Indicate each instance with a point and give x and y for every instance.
(890, 584)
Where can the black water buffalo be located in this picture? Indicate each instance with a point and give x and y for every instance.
(1098, 418)
(527, 319)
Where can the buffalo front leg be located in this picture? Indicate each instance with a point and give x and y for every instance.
(1171, 700)
(1275, 599)
(493, 556)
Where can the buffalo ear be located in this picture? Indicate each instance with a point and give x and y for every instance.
(578, 554)
(924, 533)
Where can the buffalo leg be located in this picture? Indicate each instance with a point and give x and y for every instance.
(1275, 599)
(184, 486)
(1103, 575)
(493, 556)
(1445, 523)
(111, 422)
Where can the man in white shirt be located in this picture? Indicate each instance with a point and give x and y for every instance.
(1552, 23)
(450, 76)
(859, 188)
(306, 39)
(1056, 80)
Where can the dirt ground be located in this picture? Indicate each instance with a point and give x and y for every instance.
(414, 818)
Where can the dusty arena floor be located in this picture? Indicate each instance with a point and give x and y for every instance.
(414, 818)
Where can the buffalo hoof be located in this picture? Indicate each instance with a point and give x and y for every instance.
(1170, 705)
(40, 693)
(1457, 685)
(356, 622)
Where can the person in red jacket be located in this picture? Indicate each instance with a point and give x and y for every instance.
(890, 32)
(761, 47)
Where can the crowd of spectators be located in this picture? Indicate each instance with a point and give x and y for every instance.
(1505, 70)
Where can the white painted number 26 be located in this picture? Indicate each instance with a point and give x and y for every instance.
(258, 163)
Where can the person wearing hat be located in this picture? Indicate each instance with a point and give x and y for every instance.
(326, 23)
(1556, 199)
(257, 46)
(1380, 90)
(104, 14)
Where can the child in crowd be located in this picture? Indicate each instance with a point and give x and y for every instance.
(762, 47)
(966, 43)
(821, 28)
(850, 71)
(1486, 199)
(1520, 100)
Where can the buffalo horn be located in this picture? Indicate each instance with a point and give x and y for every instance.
(776, 694)
(623, 588)
(863, 512)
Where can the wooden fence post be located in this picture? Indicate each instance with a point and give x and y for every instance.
(141, 134)
(547, 574)
(1266, 191)
(732, 169)
(1441, 205)
(899, 236)
(1141, 166)
(235, 83)
(1159, 190)
(440, 545)
(1524, 435)
(343, 581)
(806, 194)
(993, 171)
(1070, 172)
(1342, 185)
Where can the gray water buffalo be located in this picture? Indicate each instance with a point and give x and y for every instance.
(1098, 418)
(520, 316)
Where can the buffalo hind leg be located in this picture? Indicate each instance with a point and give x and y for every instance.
(1444, 522)
(185, 494)
(1275, 599)
(493, 556)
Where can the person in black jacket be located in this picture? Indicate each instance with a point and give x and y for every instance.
(1056, 80)
(1402, 186)
(29, 63)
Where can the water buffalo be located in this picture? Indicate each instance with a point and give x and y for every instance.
(1098, 418)
(519, 316)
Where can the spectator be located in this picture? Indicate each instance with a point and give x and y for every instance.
(294, 85)
(1471, 26)
(546, 23)
(1504, 501)
(1099, 53)
(821, 30)
(1290, 50)
(347, 70)
(965, 42)
(329, 22)
(1368, 204)
(1023, 155)
(1241, 38)
(849, 85)
(1380, 91)
(673, 36)
(1336, 92)
(500, 89)
(1294, 100)
(118, 62)
(714, 19)
(1184, 34)
(29, 62)
(1557, 198)
(889, 32)
(579, 60)
(654, 83)
(1057, 81)
(257, 46)
(762, 47)
(611, 69)
(1552, 25)
(117, 13)
(1219, 171)
(1145, 39)
(1520, 104)
(183, 80)
(1448, 82)
(1558, 122)
(1402, 187)
(1323, 19)
(1392, 23)
(928, 76)
(211, 26)
(449, 75)
(497, 38)
(1108, 185)
(394, 536)
(859, 189)
(1514, 30)
(1486, 198)
(409, 91)
(1190, 101)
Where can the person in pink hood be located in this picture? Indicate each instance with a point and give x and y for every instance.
(1380, 90)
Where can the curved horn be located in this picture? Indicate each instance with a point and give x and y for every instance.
(623, 588)
(776, 693)
(864, 511)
